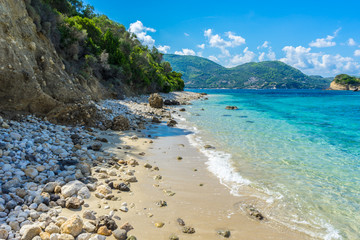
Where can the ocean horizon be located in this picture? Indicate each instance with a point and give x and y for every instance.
(293, 154)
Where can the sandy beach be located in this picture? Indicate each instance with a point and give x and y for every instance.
(150, 182)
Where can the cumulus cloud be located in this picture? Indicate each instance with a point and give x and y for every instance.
(186, 51)
(163, 49)
(247, 56)
(216, 41)
(213, 58)
(202, 46)
(357, 53)
(325, 42)
(264, 45)
(351, 42)
(319, 63)
(141, 31)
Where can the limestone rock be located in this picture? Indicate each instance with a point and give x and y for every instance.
(104, 189)
(4, 234)
(72, 226)
(156, 101)
(103, 230)
(29, 231)
(88, 214)
(71, 188)
(171, 123)
(120, 234)
(74, 203)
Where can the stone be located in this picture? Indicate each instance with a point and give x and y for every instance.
(231, 108)
(52, 228)
(103, 230)
(147, 165)
(120, 186)
(89, 227)
(14, 226)
(179, 158)
(106, 221)
(130, 179)
(88, 214)
(4, 234)
(120, 234)
(157, 177)
(159, 224)
(28, 232)
(188, 230)
(133, 163)
(50, 187)
(104, 189)
(65, 236)
(72, 188)
(45, 236)
(127, 227)
(31, 172)
(10, 205)
(171, 123)
(208, 147)
(84, 193)
(98, 237)
(42, 208)
(224, 233)
(15, 136)
(173, 237)
(21, 192)
(155, 120)
(254, 213)
(120, 123)
(131, 238)
(171, 102)
(72, 226)
(156, 101)
(96, 147)
(180, 222)
(161, 203)
(57, 189)
(124, 209)
(74, 203)
(84, 236)
(182, 109)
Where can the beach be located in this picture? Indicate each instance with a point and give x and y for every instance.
(150, 181)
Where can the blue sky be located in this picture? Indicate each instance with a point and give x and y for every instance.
(317, 37)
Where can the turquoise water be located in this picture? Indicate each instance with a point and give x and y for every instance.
(298, 150)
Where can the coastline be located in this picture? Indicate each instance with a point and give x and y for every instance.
(191, 192)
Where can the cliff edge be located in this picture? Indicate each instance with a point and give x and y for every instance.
(345, 82)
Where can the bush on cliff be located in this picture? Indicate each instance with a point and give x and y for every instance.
(95, 45)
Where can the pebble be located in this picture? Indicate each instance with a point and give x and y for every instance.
(224, 233)
(159, 224)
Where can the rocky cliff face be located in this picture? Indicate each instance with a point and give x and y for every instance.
(32, 75)
(336, 86)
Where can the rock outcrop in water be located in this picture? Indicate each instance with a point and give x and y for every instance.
(345, 82)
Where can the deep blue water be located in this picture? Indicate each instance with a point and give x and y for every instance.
(298, 150)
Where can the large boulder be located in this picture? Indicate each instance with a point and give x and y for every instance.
(120, 123)
(156, 101)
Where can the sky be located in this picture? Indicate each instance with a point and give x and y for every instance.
(318, 37)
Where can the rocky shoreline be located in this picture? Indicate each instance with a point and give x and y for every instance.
(47, 169)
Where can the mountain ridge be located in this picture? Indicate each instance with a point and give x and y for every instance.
(200, 72)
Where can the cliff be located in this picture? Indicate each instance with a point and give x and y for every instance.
(32, 75)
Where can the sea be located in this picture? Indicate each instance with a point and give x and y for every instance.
(292, 154)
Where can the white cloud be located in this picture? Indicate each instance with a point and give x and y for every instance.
(319, 63)
(202, 46)
(325, 42)
(357, 53)
(141, 32)
(262, 57)
(264, 45)
(247, 56)
(186, 34)
(163, 49)
(351, 42)
(213, 58)
(216, 41)
(186, 51)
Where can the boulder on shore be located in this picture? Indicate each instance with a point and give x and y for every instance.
(120, 123)
(156, 101)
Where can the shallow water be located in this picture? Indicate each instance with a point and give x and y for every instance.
(297, 149)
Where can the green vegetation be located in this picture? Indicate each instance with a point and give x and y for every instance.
(345, 79)
(201, 72)
(92, 45)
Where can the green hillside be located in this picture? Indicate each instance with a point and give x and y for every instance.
(201, 72)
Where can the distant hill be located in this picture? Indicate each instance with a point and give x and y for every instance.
(201, 72)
